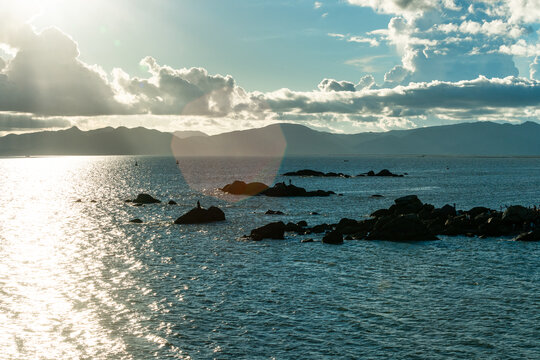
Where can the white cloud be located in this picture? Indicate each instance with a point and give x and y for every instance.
(521, 48)
(20, 121)
(372, 41)
(359, 39)
(334, 85)
(46, 77)
(534, 69)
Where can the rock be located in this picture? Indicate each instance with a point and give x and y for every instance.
(529, 236)
(302, 223)
(333, 237)
(386, 172)
(475, 211)
(314, 213)
(275, 230)
(493, 226)
(458, 225)
(200, 215)
(407, 205)
(284, 190)
(308, 172)
(292, 227)
(318, 229)
(383, 173)
(377, 196)
(136, 221)
(241, 188)
(445, 211)
(145, 199)
(427, 212)
(128, 201)
(380, 213)
(350, 226)
(272, 212)
(172, 202)
(305, 172)
(517, 214)
(436, 226)
(401, 228)
(307, 240)
(78, 200)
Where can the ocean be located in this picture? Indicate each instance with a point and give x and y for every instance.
(79, 281)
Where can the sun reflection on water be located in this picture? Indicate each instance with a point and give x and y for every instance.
(53, 295)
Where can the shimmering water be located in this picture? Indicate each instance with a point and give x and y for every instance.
(78, 281)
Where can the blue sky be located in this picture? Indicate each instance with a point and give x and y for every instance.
(264, 44)
(219, 65)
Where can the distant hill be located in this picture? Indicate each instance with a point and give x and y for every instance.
(106, 141)
(478, 138)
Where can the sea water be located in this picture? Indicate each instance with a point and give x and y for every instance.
(79, 281)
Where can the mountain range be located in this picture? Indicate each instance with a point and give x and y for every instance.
(477, 138)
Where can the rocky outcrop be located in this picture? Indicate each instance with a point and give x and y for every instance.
(284, 190)
(200, 216)
(274, 212)
(408, 219)
(383, 173)
(145, 199)
(333, 237)
(406, 227)
(278, 190)
(275, 230)
(242, 188)
(309, 172)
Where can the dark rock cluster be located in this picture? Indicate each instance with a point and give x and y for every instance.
(383, 172)
(408, 219)
(309, 172)
(278, 190)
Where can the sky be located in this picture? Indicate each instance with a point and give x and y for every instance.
(219, 65)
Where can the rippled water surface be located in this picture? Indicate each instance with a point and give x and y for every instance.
(78, 281)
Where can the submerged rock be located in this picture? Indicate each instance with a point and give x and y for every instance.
(275, 230)
(200, 215)
(145, 199)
